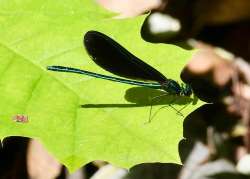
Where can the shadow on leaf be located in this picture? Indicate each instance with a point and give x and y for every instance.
(140, 97)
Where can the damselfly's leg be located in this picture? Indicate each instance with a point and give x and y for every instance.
(178, 111)
(157, 98)
(151, 104)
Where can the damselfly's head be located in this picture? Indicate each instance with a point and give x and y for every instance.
(186, 90)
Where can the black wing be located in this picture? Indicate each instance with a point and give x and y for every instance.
(112, 57)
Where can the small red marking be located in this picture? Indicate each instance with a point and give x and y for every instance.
(20, 118)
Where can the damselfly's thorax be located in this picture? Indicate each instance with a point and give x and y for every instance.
(173, 87)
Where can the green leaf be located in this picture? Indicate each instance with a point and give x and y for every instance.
(79, 118)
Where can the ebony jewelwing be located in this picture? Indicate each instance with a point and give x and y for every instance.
(114, 58)
(111, 56)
